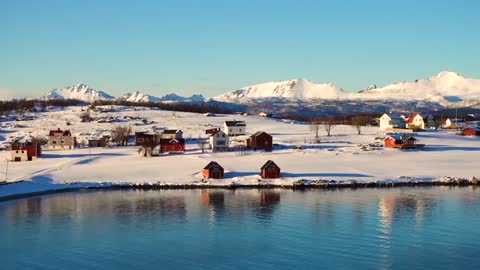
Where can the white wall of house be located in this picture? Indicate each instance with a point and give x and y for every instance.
(234, 130)
(219, 141)
(19, 154)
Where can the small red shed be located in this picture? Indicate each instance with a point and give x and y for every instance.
(213, 170)
(260, 140)
(270, 170)
(469, 132)
(393, 141)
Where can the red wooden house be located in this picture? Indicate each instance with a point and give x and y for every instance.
(172, 145)
(270, 170)
(260, 140)
(22, 151)
(405, 142)
(213, 170)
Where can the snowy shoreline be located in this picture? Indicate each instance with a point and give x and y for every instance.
(15, 191)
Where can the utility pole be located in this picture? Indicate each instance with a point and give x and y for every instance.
(6, 170)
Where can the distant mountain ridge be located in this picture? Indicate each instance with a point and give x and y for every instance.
(444, 87)
(85, 93)
(78, 91)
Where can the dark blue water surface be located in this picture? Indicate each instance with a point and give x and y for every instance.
(403, 228)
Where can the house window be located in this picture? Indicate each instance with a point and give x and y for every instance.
(54, 142)
(220, 142)
(223, 135)
(240, 130)
(62, 142)
(23, 152)
(230, 130)
(17, 152)
(164, 148)
(179, 148)
(215, 168)
(140, 140)
(271, 168)
(172, 147)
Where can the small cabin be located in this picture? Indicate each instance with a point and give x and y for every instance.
(270, 170)
(213, 170)
(392, 141)
(260, 140)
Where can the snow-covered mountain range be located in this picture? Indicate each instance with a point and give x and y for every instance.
(445, 87)
(78, 91)
(87, 94)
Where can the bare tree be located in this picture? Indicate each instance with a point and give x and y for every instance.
(146, 148)
(39, 140)
(314, 126)
(328, 124)
(120, 134)
(202, 144)
(85, 116)
(358, 122)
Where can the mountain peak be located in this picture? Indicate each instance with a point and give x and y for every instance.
(300, 89)
(448, 75)
(79, 92)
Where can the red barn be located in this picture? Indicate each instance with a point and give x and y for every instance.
(172, 145)
(270, 170)
(213, 170)
(393, 141)
(32, 150)
(260, 140)
(469, 132)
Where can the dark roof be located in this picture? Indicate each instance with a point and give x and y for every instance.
(268, 163)
(55, 132)
(235, 123)
(171, 131)
(167, 141)
(211, 164)
(258, 133)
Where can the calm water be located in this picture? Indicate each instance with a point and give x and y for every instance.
(408, 228)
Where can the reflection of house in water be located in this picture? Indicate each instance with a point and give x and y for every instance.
(215, 202)
(267, 205)
(410, 206)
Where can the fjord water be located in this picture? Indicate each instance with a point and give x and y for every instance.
(402, 228)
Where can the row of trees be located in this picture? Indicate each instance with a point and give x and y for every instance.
(327, 124)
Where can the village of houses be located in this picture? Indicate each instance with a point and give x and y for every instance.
(184, 148)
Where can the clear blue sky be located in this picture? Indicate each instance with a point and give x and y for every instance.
(211, 47)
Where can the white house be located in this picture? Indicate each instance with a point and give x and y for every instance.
(219, 141)
(234, 128)
(447, 123)
(389, 121)
(415, 121)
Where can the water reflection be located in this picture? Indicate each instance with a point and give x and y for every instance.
(367, 228)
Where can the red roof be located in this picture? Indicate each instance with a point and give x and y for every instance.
(412, 116)
(59, 131)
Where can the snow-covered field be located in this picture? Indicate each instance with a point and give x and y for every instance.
(338, 157)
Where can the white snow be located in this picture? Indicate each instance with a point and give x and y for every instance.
(338, 158)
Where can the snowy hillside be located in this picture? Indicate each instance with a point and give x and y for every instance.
(299, 89)
(444, 87)
(139, 97)
(78, 91)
